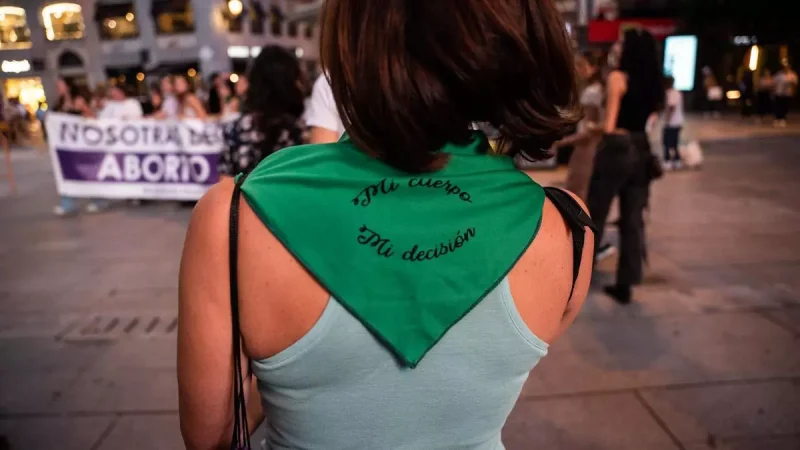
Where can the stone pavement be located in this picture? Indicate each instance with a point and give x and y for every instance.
(708, 356)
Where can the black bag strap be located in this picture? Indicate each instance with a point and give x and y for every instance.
(577, 220)
(241, 434)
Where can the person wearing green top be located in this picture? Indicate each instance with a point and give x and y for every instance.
(392, 290)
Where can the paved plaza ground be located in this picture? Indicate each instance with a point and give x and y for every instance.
(707, 357)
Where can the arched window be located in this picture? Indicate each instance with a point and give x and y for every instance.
(63, 21)
(14, 31)
(69, 60)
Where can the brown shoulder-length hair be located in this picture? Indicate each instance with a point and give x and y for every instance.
(409, 76)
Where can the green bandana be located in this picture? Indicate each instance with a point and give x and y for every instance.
(409, 255)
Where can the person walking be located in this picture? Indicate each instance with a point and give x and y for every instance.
(673, 123)
(272, 113)
(714, 94)
(625, 166)
(395, 288)
(764, 95)
(746, 91)
(785, 88)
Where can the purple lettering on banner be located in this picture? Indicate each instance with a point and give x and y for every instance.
(150, 167)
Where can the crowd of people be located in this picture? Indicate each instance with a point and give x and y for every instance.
(171, 97)
(623, 93)
(773, 94)
(763, 94)
(257, 118)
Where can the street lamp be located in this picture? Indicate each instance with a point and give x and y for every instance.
(235, 7)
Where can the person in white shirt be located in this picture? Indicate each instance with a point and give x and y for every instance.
(169, 103)
(322, 115)
(785, 84)
(673, 122)
(120, 105)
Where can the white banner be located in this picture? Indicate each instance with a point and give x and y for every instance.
(133, 159)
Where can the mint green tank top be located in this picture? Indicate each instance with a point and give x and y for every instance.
(420, 345)
(340, 388)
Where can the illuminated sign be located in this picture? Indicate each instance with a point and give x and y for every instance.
(15, 66)
(745, 40)
(238, 51)
(680, 60)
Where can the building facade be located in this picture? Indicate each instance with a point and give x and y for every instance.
(88, 42)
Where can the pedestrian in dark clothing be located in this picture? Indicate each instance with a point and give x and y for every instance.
(624, 165)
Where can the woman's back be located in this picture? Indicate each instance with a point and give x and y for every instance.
(327, 381)
(392, 290)
(355, 394)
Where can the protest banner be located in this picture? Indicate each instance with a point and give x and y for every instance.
(133, 159)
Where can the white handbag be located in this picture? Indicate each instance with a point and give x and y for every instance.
(692, 154)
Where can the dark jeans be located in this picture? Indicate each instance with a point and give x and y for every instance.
(671, 141)
(764, 103)
(621, 170)
(782, 107)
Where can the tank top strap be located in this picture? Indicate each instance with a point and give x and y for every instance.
(577, 220)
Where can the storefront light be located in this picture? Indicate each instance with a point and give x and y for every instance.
(754, 51)
(234, 78)
(140, 76)
(112, 24)
(13, 66)
(235, 7)
(238, 51)
(12, 11)
(733, 95)
(191, 73)
(14, 27)
(56, 10)
(129, 17)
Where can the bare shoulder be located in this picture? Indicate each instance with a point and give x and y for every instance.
(541, 282)
(617, 81)
(279, 301)
(208, 226)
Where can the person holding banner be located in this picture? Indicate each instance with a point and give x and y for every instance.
(64, 102)
(169, 103)
(121, 105)
(80, 105)
(188, 103)
(272, 113)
